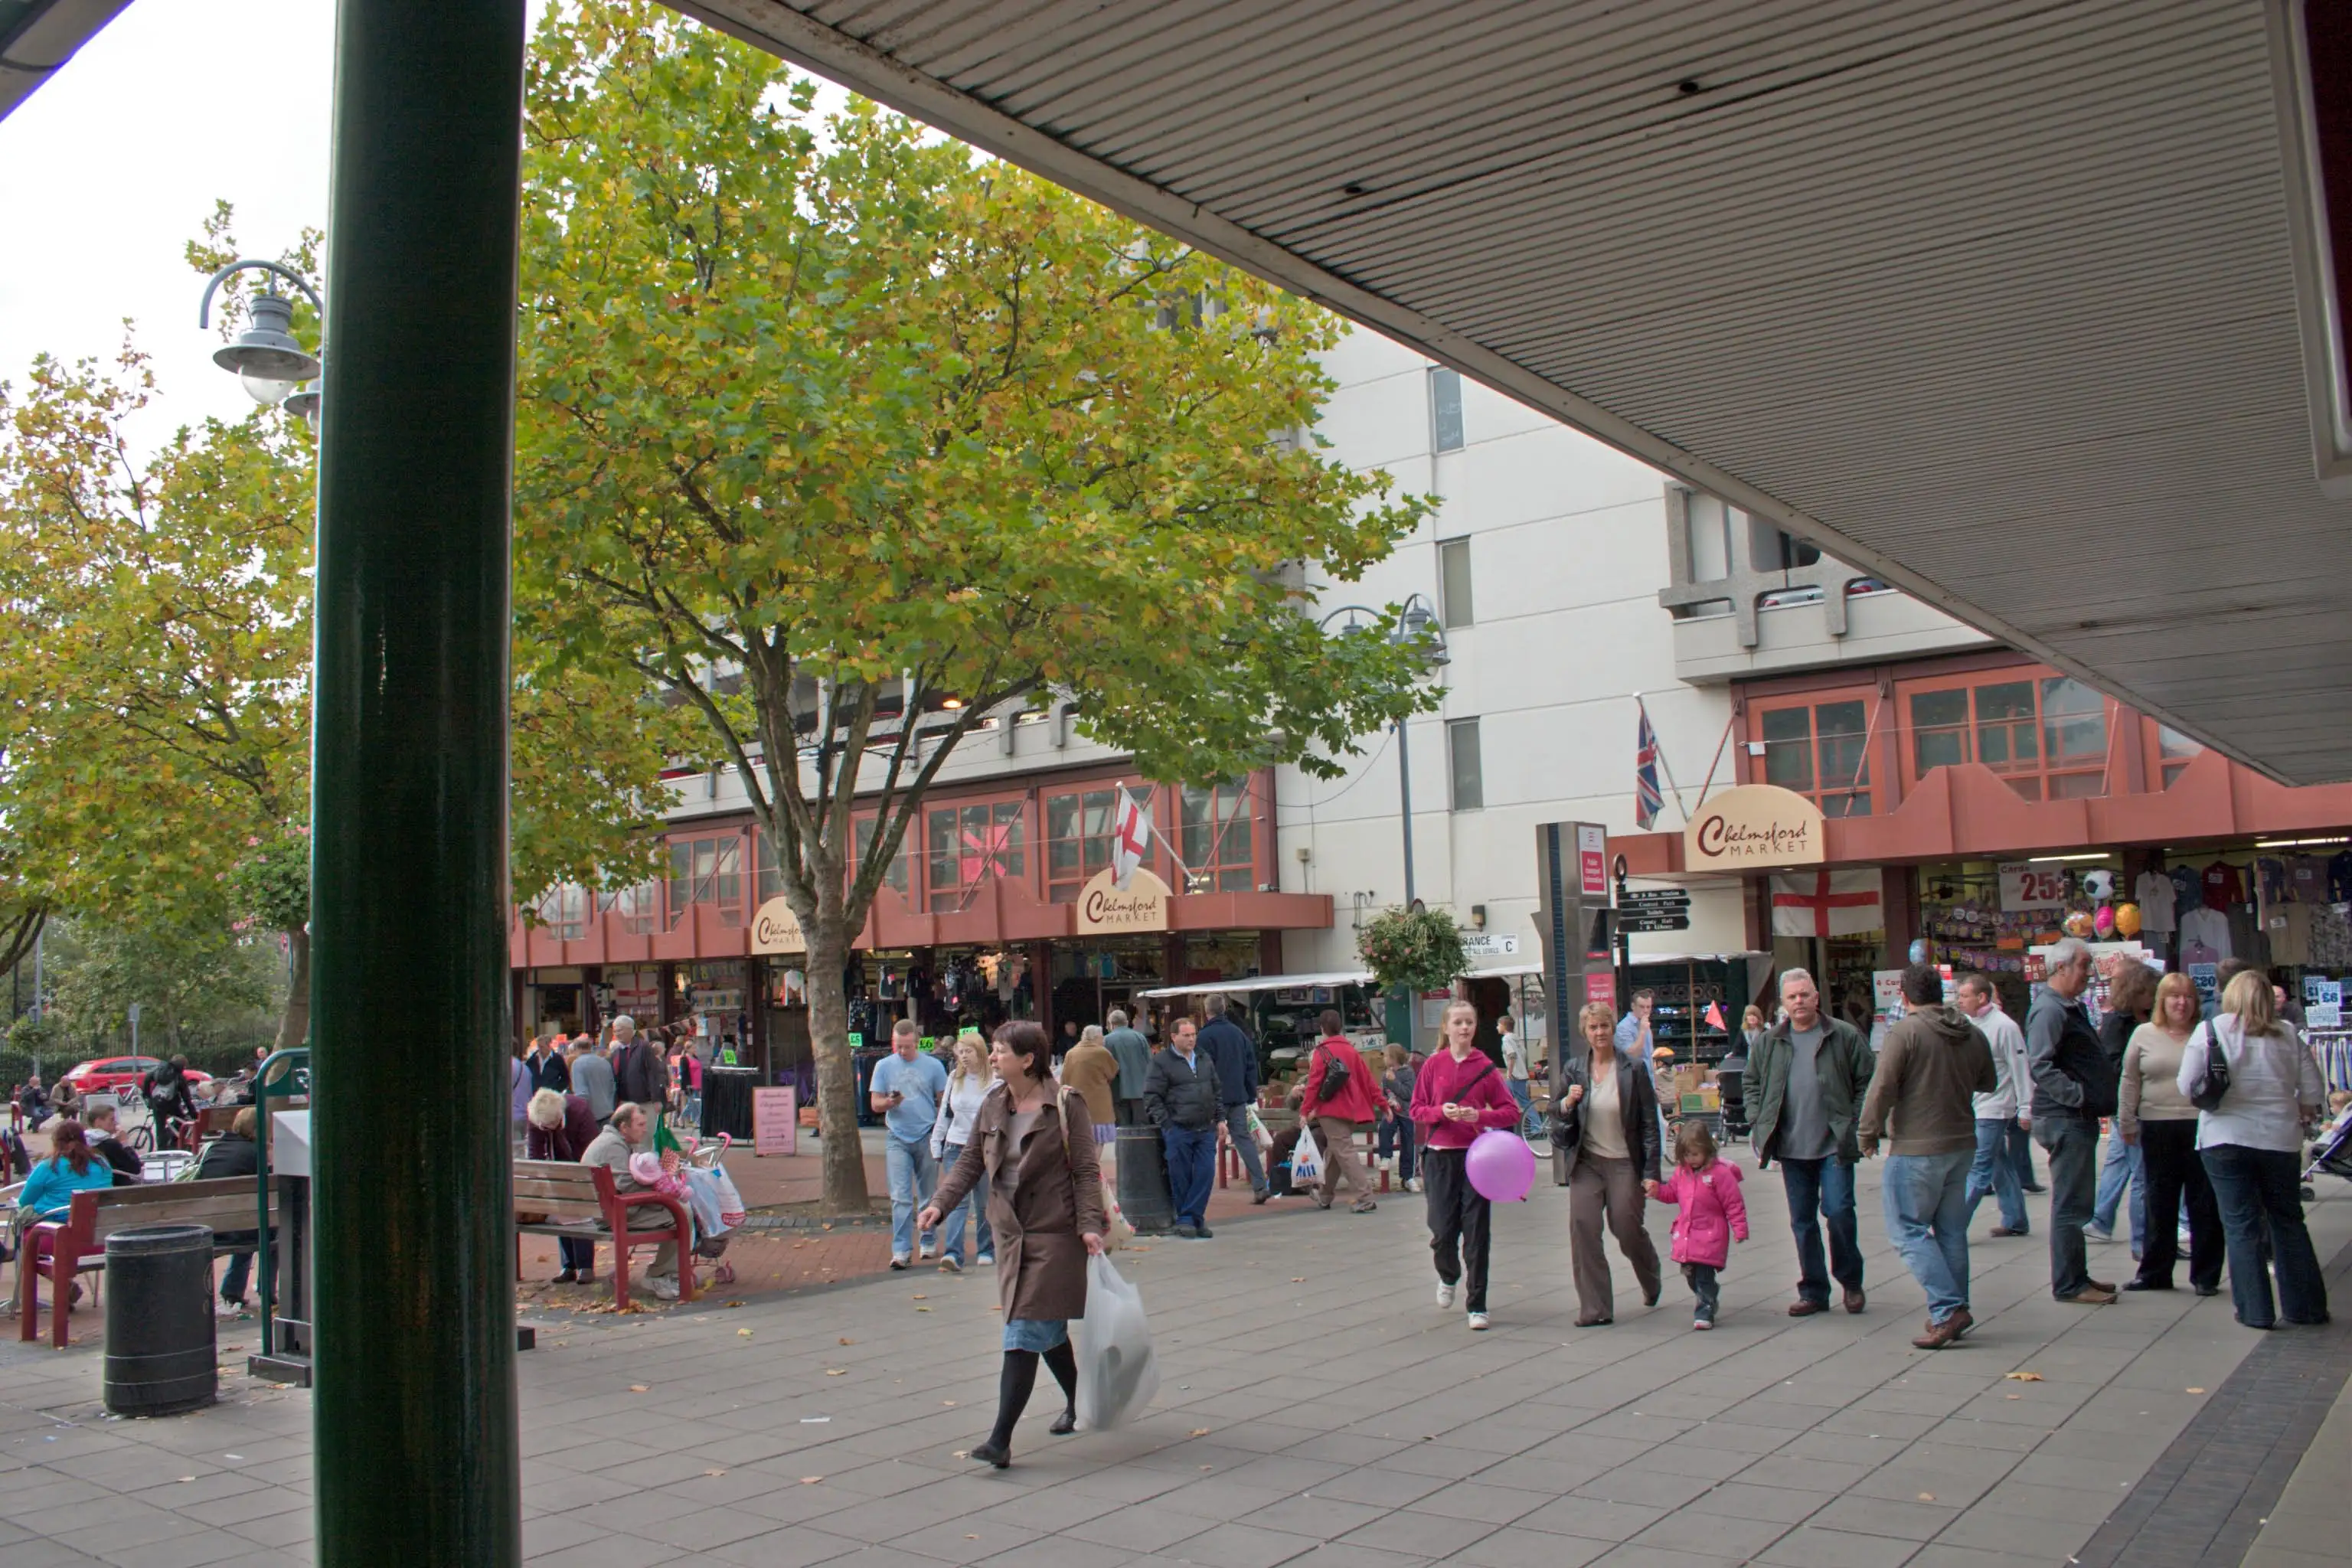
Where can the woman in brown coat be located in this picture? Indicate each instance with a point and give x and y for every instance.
(1044, 1203)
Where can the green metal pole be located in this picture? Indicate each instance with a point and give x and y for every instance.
(415, 1447)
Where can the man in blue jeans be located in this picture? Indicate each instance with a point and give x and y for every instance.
(905, 1090)
(1181, 1097)
(1806, 1080)
(2074, 1086)
(1228, 1045)
(1997, 1113)
(1933, 1064)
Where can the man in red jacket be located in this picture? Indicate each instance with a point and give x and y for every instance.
(1340, 1098)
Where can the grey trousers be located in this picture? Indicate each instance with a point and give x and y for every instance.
(1602, 1188)
(1237, 1126)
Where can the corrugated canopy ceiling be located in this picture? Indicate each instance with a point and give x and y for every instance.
(1996, 298)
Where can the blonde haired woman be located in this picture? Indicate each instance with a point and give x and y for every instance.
(968, 1085)
(2249, 1142)
(2154, 1116)
(1458, 1095)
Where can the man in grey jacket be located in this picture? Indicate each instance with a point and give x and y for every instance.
(1134, 1054)
(624, 1135)
(1180, 1095)
(1806, 1081)
(2074, 1086)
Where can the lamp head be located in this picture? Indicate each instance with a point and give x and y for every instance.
(266, 356)
(304, 404)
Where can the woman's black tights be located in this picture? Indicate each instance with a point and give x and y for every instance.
(1019, 1375)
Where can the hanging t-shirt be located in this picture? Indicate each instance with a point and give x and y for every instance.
(2306, 879)
(2339, 878)
(2208, 929)
(2153, 893)
(2224, 885)
(2288, 927)
(2270, 875)
(2187, 888)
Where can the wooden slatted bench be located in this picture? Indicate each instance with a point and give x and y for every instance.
(547, 1192)
(77, 1244)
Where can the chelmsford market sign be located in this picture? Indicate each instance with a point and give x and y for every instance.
(1754, 826)
(1106, 909)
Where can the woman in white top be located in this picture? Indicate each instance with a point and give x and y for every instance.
(968, 1085)
(2156, 1118)
(2250, 1144)
(1608, 1124)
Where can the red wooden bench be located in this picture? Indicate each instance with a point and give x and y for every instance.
(548, 1193)
(77, 1244)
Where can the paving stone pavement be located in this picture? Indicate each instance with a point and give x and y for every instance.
(1316, 1409)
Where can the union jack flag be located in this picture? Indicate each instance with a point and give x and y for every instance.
(1647, 801)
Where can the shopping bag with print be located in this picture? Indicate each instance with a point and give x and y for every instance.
(1118, 1372)
(1306, 1161)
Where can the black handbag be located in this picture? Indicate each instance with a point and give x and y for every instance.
(2216, 1082)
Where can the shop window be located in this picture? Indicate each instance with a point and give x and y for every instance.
(1219, 856)
(635, 906)
(902, 864)
(967, 844)
(1462, 754)
(1817, 750)
(1077, 837)
(706, 871)
(2046, 735)
(564, 911)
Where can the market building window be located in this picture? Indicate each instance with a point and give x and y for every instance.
(967, 844)
(2173, 752)
(563, 910)
(1219, 855)
(2046, 735)
(900, 872)
(635, 906)
(706, 871)
(1077, 837)
(1818, 750)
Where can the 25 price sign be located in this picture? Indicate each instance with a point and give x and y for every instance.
(2025, 887)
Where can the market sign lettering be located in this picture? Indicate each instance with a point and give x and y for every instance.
(1106, 908)
(776, 929)
(1755, 826)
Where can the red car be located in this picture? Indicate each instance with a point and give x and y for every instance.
(109, 1073)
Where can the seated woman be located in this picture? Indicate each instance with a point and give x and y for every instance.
(235, 1153)
(72, 1167)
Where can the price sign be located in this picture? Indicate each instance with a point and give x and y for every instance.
(2024, 887)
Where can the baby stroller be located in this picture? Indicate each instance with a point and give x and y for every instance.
(2332, 1151)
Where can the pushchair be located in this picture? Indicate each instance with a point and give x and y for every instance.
(2332, 1151)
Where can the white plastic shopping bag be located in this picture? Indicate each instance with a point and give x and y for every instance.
(1117, 1373)
(1306, 1161)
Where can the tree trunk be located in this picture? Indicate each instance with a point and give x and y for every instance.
(294, 1024)
(836, 1073)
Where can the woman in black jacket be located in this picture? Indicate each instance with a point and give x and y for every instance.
(1607, 1124)
(235, 1155)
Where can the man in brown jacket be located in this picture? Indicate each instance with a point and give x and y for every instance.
(1922, 1099)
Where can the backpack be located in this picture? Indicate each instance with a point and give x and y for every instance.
(1334, 1082)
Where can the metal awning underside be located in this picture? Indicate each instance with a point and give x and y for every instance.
(1995, 299)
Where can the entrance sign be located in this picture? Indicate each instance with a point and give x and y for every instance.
(1105, 909)
(775, 1120)
(1489, 944)
(1752, 828)
(776, 929)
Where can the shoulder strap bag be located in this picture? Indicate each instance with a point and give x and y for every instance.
(2216, 1081)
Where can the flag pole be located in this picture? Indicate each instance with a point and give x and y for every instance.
(1708, 783)
(1664, 767)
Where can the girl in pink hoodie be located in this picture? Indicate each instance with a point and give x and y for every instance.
(1709, 1212)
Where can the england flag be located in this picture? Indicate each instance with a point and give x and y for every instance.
(1130, 838)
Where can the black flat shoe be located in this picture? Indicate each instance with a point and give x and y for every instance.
(990, 1454)
(2138, 1284)
(2208, 1290)
(1064, 1424)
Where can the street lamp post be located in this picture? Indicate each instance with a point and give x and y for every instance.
(267, 358)
(1416, 623)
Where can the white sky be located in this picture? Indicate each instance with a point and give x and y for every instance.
(110, 169)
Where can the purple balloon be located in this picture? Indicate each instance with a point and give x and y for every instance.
(1501, 1165)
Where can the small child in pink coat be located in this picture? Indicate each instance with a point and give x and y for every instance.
(1709, 1212)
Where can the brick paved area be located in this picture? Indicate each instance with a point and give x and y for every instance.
(1317, 1409)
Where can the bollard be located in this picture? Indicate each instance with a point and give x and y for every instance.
(159, 1348)
(1143, 1195)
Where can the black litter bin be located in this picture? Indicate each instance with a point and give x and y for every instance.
(160, 1357)
(1143, 1195)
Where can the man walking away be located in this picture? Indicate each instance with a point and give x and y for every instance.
(2074, 1086)
(905, 1092)
(1516, 1076)
(2005, 1111)
(1922, 1098)
(1181, 1097)
(1228, 1044)
(640, 1074)
(591, 1080)
(1806, 1082)
(1340, 1098)
(1134, 1054)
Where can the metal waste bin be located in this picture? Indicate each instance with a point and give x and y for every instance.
(1143, 1195)
(160, 1356)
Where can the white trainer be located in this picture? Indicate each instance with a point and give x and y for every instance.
(1477, 1321)
(1444, 1294)
(661, 1290)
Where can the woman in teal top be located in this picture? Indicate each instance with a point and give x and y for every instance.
(70, 1168)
